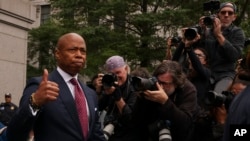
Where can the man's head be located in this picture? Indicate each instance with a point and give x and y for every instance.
(170, 75)
(7, 97)
(117, 66)
(227, 13)
(70, 53)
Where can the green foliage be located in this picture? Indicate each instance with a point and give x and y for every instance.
(136, 30)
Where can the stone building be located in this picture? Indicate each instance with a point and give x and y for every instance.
(17, 17)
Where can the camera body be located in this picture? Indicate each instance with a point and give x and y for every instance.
(190, 33)
(108, 80)
(217, 99)
(142, 84)
(175, 40)
(208, 20)
(212, 5)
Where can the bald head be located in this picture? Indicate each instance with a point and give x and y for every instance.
(66, 38)
(70, 53)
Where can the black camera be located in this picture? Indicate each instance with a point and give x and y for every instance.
(108, 80)
(142, 84)
(208, 20)
(247, 42)
(216, 99)
(175, 40)
(210, 6)
(191, 32)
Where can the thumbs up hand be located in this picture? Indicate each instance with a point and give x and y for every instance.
(47, 90)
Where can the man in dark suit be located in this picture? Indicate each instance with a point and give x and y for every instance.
(48, 106)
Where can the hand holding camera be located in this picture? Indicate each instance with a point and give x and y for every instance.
(158, 96)
(110, 86)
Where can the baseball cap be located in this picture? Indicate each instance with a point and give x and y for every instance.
(228, 4)
(7, 95)
(114, 62)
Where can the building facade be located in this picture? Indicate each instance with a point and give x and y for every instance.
(16, 19)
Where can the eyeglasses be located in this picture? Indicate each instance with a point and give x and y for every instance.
(230, 13)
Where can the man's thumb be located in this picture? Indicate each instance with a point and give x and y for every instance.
(45, 75)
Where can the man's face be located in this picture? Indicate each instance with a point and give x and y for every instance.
(121, 74)
(166, 81)
(226, 16)
(71, 55)
(7, 99)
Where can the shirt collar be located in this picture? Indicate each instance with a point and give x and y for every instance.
(66, 77)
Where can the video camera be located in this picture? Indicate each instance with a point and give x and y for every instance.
(142, 84)
(210, 6)
(217, 99)
(108, 80)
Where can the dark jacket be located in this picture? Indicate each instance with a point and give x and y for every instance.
(121, 121)
(223, 58)
(7, 110)
(57, 120)
(201, 77)
(178, 110)
(239, 113)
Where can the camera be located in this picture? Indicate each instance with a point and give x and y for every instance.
(162, 127)
(175, 40)
(217, 99)
(108, 130)
(190, 33)
(108, 80)
(247, 42)
(142, 84)
(208, 20)
(210, 6)
(109, 126)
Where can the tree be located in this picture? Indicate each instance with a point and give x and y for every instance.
(136, 30)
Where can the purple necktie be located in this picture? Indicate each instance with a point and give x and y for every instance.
(81, 107)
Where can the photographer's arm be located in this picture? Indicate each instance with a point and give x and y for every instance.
(217, 31)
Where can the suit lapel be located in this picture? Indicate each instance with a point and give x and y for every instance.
(66, 97)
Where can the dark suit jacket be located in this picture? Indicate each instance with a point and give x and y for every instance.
(56, 120)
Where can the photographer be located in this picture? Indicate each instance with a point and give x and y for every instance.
(171, 100)
(117, 99)
(238, 114)
(224, 43)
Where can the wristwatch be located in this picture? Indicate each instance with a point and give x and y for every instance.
(32, 103)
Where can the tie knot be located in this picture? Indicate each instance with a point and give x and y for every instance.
(73, 81)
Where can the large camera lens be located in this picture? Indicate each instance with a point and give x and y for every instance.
(108, 80)
(108, 130)
(217, 99)
(165, 135)
(190, 33)
(142, 84)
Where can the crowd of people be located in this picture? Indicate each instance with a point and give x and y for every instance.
(193, 95)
